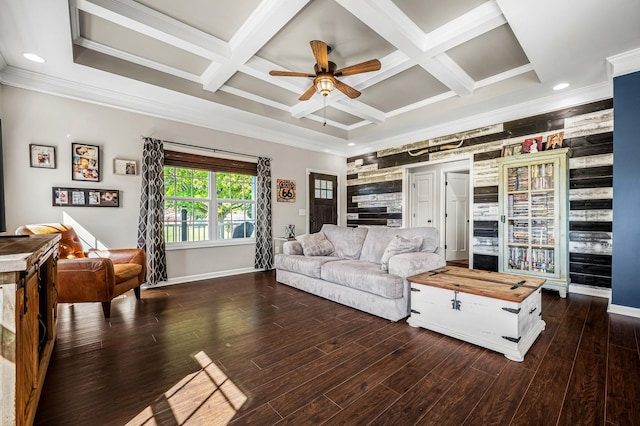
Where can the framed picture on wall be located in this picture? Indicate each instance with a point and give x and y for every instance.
(42, 156)
(85, 162)
(83, 197)
(125, 167)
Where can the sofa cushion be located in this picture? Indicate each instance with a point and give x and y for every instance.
(315, 244)
(363, 276)
(305, 265)
(399, 245)
(379, 237)
(347, 242)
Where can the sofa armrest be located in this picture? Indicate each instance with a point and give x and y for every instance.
(85, 280)
(407, 264)
(291, 247)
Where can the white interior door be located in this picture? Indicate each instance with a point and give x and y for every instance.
(457, 216)
(423, 196)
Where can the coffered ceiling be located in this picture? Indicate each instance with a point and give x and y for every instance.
(447, 66)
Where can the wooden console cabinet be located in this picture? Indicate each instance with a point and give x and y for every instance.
(28, 318)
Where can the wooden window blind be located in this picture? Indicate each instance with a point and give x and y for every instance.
(212, 164)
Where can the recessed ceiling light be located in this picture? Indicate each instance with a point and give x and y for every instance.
(351, 144)
(560, 86)
(33, 57)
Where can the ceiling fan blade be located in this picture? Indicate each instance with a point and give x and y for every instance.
(367, 66)
(308, 94)
(321, 54)
(347, 90)
(291, 74)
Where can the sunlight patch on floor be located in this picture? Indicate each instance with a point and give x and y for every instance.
(206, 396)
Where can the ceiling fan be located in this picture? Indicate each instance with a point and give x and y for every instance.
(324, 79)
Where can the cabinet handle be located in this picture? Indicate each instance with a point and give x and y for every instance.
(413, 311)
(533, 310)
(415, 289)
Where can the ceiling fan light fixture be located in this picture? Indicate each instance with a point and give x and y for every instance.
(324, 85)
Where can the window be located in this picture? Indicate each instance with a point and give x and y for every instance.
(202, 204)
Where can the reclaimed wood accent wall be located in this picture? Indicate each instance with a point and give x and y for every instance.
(374, 184)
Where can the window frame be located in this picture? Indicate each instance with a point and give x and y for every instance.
(213, 166)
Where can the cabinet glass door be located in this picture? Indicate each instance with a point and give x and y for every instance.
(531, 218)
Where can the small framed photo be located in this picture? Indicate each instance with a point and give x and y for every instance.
(125, 167)
(531, 145)
(555, 141)
(85, 160)
(42, 156)
(60, 197)
(510, 150)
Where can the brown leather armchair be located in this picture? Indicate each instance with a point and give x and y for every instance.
(96, 276)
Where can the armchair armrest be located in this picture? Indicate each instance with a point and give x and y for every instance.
(408, 264)
(85, 280)
(131, 255)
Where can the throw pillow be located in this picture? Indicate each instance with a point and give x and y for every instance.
(399, 245)
(315, 244)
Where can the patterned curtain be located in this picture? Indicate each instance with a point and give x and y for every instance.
(151, 222)
(264, 242)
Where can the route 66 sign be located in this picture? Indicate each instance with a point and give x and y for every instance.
(286, 190)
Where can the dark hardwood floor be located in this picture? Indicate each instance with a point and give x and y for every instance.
(247, 350)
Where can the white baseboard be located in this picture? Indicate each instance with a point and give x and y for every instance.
(623, 310)
(200, 277)
(590, 291)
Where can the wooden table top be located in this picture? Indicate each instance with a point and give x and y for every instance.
(510, 287)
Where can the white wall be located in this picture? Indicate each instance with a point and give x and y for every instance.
(32, 117)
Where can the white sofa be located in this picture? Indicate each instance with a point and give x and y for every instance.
(349, 270)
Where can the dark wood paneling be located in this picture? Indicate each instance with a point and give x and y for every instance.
(601, 143)
(591, 205)
(375, 188)
(594, 182)
(591, 226)
(490, 155)
(371, 222)
(355, 209)
(485, 262)
(367, 216)
(592, 280)
(586, 269)
(485, 194)
(369, 158)
(590, 172)
(595, 259)
(485, 228)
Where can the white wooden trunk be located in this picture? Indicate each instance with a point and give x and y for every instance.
(503, 326)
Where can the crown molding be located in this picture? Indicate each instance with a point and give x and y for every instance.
(174, 106)
(624, 63)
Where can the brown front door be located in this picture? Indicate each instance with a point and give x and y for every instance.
(323, 200)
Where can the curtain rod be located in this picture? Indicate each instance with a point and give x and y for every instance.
(224, 151)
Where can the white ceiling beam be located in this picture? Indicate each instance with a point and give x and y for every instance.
(360, 109)
(259, 68)
(472, 24)
(384, 17)
(144, 20)
(268, 18)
